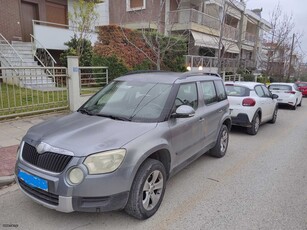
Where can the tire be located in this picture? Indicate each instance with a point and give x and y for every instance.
(253, 130)
(221, 145)
(300, 104)
(294, 106)
(274, 117)
(149, 183)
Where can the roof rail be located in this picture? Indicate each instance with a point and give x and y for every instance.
(145, 71)
(197, 73)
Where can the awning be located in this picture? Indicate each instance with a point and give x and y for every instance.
(231, 47)
(246, 47)
(205, 40)
(209, 41)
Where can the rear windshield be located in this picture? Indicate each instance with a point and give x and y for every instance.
(239, 91)
(280, 87)
(301, 84)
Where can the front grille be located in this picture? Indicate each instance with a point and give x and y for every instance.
(53, 162)
(40, 194)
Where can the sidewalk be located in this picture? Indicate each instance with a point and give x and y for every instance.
(11, 133)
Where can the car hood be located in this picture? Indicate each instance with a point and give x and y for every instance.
(83, 134)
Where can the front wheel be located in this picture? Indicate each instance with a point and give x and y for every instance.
(253, 130)
(221, 145)
(147, 190)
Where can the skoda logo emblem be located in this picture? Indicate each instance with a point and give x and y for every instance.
(40, 148)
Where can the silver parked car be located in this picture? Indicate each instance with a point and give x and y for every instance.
(118, 150)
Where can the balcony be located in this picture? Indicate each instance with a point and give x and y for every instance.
(250, 37)
(53, 35)
(183, 20)
(231, 32)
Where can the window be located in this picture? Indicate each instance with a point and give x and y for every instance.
(267, 93)
(221, 93)
(135, 5)
(187, 95)
(259, 91)
(209, 92)
(239, 91)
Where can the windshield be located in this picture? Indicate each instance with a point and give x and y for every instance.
(133, 101)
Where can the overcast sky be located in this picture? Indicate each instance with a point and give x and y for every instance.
(296, 8)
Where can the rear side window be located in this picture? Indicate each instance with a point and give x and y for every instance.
(209, 92)
(237, 91)
(280, 87)
(221, 93)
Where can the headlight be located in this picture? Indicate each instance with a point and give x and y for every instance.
(20, 147)
(75, 176)
(105, 162)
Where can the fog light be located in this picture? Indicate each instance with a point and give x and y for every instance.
(75, 176)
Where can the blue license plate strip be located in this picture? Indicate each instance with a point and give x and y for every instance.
(33, 181)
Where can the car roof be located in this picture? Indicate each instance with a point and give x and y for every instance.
(248, 84)
(167, 77)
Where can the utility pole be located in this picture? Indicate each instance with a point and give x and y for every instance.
(291, 53)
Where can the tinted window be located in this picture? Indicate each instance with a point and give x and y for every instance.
(221, 93)
(301, 84)
(187, 95)
(209, 92)
(239, 91)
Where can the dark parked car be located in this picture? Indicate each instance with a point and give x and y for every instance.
(118, 150)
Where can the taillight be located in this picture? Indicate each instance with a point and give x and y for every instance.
(249, 102)
(292, 92)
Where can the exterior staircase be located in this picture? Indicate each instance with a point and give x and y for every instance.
(20, 55)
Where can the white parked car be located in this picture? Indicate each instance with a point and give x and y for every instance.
(288, 93)
(251, 104)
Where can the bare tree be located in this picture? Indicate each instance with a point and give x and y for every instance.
(278, 43)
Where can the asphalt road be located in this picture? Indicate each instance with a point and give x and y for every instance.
(260, 184)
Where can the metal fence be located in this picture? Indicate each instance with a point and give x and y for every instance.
(29, 90)
(92, 79)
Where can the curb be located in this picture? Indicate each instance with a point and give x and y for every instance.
(6, 180)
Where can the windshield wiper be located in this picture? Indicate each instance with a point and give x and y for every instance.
(113, 117)
(85, 111)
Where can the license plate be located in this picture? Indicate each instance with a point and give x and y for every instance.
(33, 181)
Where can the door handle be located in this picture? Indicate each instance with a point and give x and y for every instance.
(201, 119)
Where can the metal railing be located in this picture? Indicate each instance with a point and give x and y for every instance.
(195, 61)
(41, 54)
(30, 92)
(92, 79)
(4, 42)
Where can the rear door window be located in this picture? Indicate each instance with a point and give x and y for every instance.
(209, 92)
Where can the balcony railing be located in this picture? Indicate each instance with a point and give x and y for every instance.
(250, 37)
(227, 64)
(231, 32)
(187, 16)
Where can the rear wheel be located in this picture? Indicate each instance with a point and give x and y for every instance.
(274, 115)
(221, 145)
(300, 104)
(253, 130)
(294, 106)
(147, 190)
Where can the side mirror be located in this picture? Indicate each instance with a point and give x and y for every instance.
(274, 96)
(184, 111)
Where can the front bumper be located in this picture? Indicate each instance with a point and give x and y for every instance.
(96, 193)
(71, 204)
